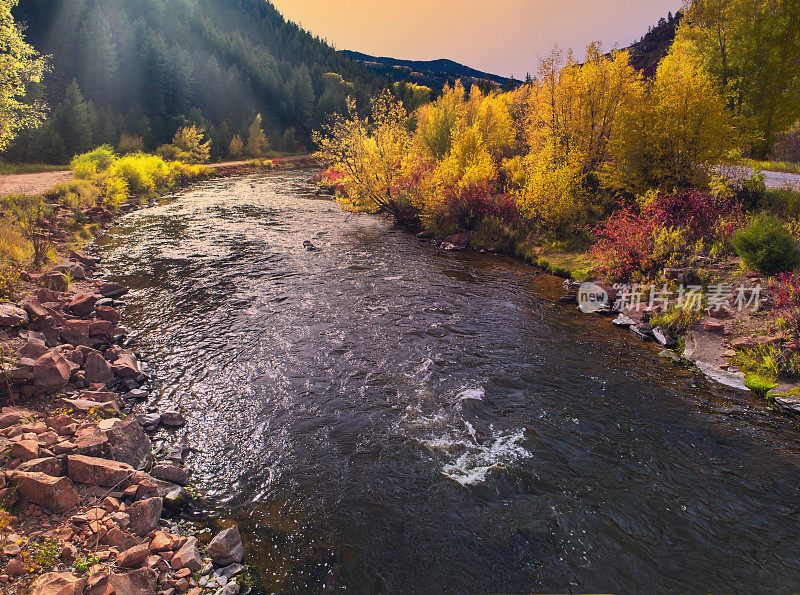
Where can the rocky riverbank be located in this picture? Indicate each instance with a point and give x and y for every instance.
(87, 503)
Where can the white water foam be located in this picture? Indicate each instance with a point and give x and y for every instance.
(476, 394)
(474, 466)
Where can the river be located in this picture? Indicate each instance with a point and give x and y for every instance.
(380, 416)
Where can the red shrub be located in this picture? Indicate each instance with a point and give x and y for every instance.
(623, 243)
(696, 211)
(470, 205)
(787, 294)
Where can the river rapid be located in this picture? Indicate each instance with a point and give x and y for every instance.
(380, 416)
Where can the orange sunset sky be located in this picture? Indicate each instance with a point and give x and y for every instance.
(503, 37)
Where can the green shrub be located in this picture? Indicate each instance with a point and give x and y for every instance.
(97, 161)
(766, 246)
(759, 384)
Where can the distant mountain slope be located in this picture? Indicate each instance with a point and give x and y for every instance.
(148, 65)
(648, 51)
(432, 73)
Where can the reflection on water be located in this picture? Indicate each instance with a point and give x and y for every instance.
(380, 416)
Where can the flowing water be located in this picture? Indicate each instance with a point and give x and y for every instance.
(380, 416)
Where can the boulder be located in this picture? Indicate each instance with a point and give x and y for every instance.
(713, 326)
(133, 557)
(623, 320)
(83, 303)
(170, 473)
(25, 450)
(86, 261)
(126, 365)
(149, 420)
(51, 372)
(101, 329)
(226, 548)
(664, 338)
(87, 405)
(56, 494)
(98, 370)
(129, 444)
(58, 583)
(48, 465)
(172, 419)
(34, 349)
(35, 309)
(187, 557)
(54, 280)
(12, 316)
(111, 289)
(10, 416)
(108, 313)
(99, 472)
(62, 423)
(120, 539)
(145, 515)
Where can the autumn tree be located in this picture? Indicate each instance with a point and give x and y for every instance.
(574, 112)
(189, 142)
(257, 143)
(751, 48)
(369, 152)
(236, 148)
(676, 133)
(20, 66)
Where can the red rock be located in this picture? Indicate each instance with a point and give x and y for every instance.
(83, 303)
(11, 316)
(25, 450)
(58, 583)
(87, 405)
(111, 289)
(713, 326)
(108, 313)
(98, 370)
(69, 553)
(133, 557)
(99, 472)
(101, 328)
(49, 466)
(145, 515)
(54, 281)
(160, 542)
(34, 349)
(187, 557)
(51, 372)
(60, 423)
(126, 365)
(16, 567)
(54, 494)
(129, 444)
(34, 308)
(226, 548)
(10, 416)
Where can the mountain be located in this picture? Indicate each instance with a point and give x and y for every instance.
(431, 73)
(648, 51)
(145, 67)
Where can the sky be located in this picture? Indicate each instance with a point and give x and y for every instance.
(502, 37)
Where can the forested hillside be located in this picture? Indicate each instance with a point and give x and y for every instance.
(143, 68)
(431, 73)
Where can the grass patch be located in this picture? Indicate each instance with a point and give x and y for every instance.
(779, 166)
(7, 169)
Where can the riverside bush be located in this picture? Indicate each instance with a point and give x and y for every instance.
(549, 159)
(766, 246)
